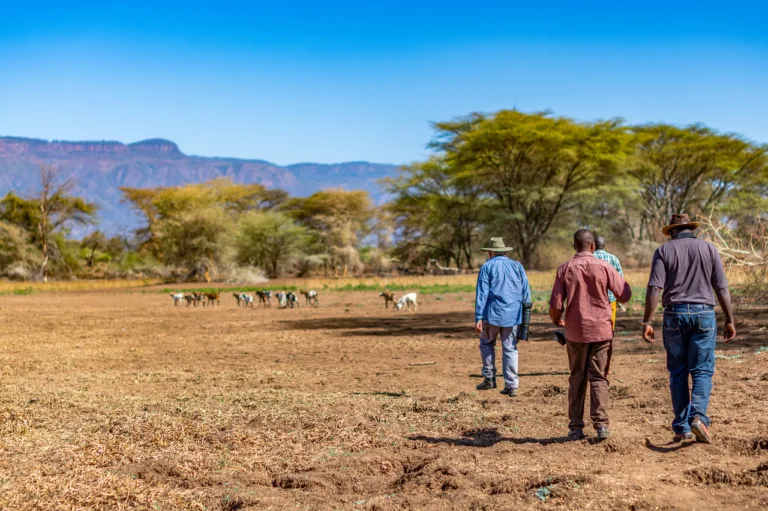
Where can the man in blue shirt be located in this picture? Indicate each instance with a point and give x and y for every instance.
(502, 288)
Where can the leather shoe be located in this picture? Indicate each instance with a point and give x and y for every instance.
(487, 384)
(508, 391)
(602, 432)
(576, 434)
(701, 431)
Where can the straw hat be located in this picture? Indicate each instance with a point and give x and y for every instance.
(496, 245)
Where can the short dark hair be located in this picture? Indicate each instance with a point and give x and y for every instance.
(599, 242)
(583, 239)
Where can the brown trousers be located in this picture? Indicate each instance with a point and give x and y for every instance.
(589, 363)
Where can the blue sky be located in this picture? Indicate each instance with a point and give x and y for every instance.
(339, 81)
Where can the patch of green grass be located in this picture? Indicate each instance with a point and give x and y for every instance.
(20, 291)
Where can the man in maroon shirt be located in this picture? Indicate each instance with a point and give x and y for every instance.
(583, 283)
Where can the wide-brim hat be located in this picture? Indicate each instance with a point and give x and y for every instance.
(496, 245)
(678, 221)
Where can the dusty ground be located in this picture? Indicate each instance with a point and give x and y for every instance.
(114, 400)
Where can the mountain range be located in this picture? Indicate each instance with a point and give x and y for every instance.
(100, 168)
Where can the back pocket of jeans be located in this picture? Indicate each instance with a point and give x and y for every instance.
(671, 323)
(707, 323)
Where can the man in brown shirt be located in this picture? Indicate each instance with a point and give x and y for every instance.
(583, 283)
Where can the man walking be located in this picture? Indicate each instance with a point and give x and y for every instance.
(502, 288)
(583, 283)
(687, 269)
(611, 259)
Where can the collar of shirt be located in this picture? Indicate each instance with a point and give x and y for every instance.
(584, 254)
(684, 235)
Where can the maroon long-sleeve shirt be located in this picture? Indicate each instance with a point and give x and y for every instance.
(583, 283)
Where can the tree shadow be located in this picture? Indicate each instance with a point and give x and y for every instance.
(486, 438)
(449, 325)
(668, 447)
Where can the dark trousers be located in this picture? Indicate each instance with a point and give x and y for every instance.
(589, 363)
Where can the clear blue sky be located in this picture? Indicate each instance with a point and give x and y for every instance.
(338, 81)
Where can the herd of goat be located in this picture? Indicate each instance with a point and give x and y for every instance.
(284, 300)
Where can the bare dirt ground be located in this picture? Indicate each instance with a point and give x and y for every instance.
(117, 400)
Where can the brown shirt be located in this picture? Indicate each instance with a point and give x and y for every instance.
(584, 282)
(687, 269)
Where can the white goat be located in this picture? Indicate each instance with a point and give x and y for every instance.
(246, 299)
(408, 301)
(177, 298)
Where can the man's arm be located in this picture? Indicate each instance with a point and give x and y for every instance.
(655, 283)
(724, 297)
(557, 300)
(720, 285)
(526, 286)
(618, 286)
(652, 295)
(481, 297)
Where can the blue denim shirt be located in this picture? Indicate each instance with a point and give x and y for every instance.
(502, 287)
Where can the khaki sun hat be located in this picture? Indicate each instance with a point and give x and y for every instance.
(680, 220)
(496, 245)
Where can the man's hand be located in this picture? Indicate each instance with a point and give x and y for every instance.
(560, 322)
(729, 332)
(479, 326)
(648, 334)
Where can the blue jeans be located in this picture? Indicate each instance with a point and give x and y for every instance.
(508, 353)
(690, 331)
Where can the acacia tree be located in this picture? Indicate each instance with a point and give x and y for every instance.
(93, 242)
(58, 210)
(439, 209)
(533, 166)
(340, 219)
(197, 238)
(159, 206)
(269, 240)
(691, 170)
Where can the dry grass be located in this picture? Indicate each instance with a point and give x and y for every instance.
(121, 401)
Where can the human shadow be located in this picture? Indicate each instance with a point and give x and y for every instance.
(379, 393)
(668, 447)
(486, 438)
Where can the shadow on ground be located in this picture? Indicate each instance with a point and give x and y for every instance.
(449, 325)
(485, 438)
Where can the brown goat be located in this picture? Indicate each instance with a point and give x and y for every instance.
(388, 296)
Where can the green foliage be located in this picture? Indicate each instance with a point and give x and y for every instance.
(439, 210)
(196, 237)
(535, 178)
(269, 240)
(167, 205)
(529, 170)
(691, 169)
